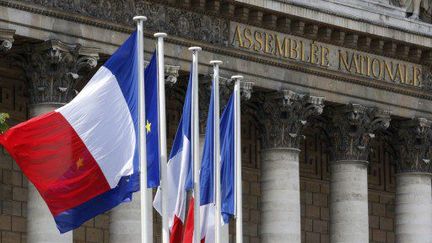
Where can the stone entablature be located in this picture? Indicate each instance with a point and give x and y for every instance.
(292, 48)
(209, 21)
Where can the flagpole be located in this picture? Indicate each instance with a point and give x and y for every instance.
(195, 144)
(162, 133)
(238, 166)
(145, 219)
(216, 144)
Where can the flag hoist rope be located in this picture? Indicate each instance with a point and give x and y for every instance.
(162, 135)
(195, 144)
(216, 144)
(146, 222)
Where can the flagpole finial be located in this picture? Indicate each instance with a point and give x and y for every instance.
(160, 34)
(140, 18)
(216, 62)
(237, 77)
(195, 48)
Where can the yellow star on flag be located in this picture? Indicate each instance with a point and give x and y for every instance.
(148, 126)
(79, 163)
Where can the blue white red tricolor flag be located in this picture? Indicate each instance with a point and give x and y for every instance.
(207, 188)
(179, 164)
(83, 157)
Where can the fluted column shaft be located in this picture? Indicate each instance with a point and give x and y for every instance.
(350, 129)
(280, 204)
(349, 201)
(413, 203)
(284, 116)
(413, 208)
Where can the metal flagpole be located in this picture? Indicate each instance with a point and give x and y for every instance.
(195, 144)
(216, 144)
(145, 219)
(238, 166)
(162, 134)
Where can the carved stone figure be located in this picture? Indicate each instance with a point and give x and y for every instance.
(418, 9)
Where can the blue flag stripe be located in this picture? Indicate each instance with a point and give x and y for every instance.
(227, 161)
(207, 162)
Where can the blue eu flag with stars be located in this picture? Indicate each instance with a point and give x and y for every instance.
(151, 122)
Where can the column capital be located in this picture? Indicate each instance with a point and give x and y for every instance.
(171, 73)
(351, 128)
(226, 88)
(53, 69)
(284, 114)
(413, 142)
(6, 39)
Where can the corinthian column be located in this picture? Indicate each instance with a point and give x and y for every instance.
(285, 115)
(351, 129)
(125, 220)
(413, 204)
(52, 69)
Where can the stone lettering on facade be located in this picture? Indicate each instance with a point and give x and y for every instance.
(287, 47)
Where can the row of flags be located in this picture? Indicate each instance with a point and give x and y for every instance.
(84, 157)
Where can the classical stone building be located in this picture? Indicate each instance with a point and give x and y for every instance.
(336, 129)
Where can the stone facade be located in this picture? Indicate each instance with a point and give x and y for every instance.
(340, 110)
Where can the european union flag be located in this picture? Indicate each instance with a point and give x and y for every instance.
(152, 124)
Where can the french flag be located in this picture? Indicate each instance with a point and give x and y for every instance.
(207, 186)
(83, 157)
(178, 172)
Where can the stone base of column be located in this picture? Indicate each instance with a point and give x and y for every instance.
(280, 200)
(413, 208)
(349, 220)
(41, 227)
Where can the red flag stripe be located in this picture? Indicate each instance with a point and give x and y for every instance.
(56, 161)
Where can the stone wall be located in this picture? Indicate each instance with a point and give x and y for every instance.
(314, 184)
(13, 196)
(95, 230)
(13, 185)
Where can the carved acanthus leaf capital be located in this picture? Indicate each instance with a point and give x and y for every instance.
(171, 73)
(351, 128)
(284, 115)
(413, 142)
(6, 39)
(246, 89)
(53, 69)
